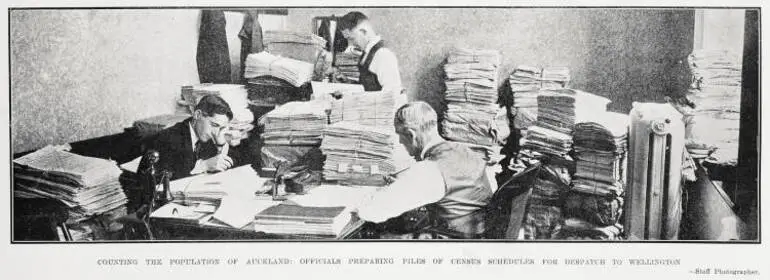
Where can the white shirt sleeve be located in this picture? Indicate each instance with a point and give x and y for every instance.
(385, 66)
(417, 186)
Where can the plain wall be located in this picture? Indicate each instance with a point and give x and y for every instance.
(624, 54)
(79, 74)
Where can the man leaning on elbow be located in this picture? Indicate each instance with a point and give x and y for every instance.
(448, 177)
(197, 144)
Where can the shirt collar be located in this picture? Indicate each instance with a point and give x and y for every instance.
(371, 44)
(429, 146)
(193, 136)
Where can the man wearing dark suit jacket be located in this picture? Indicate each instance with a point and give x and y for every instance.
(197, 143)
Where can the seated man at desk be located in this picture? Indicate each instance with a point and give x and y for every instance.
(378, 66)
(197, 143)
(448, 177)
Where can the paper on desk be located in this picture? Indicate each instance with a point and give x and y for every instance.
(239, 180)
(132, 166)
(238, 211)
(335, 195)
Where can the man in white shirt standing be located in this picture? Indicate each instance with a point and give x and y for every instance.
(378, 66)
(448, 177)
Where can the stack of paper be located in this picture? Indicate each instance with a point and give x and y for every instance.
(471, 96)
(347, 64)
(470, 124)
(715, 67)
(466, 55)
(296, 45)
(89, 186)
(560, 109)
(295, 123)
(293, 71)
(716, 93)
(236, 97)
(526, 83)
(600, 150)
(529, 78)
(303, 220)
(365, 108)
(209, 189)
(547, 141)
(358, 154)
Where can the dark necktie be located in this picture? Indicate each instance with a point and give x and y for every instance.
(198, 150)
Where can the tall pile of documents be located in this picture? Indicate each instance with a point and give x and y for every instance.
(236, 97)
(303, 220)
(471, 96)
(295, 45)
(347, 64)
(358, 154)
(557, 112)
(295, 72)
(526, 82)
(365, 108)
(716, 93)
(88, 186)
(596, 196)
(292, 130)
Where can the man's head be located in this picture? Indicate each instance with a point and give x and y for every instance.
(416, 124)
(356, 28)
(211, 117)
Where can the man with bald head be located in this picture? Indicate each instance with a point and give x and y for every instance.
(378, 66)
(448, 177)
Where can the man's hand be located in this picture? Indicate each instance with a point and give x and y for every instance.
(218, 163)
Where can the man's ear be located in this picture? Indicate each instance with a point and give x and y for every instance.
(411, 132)
(197, 114)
